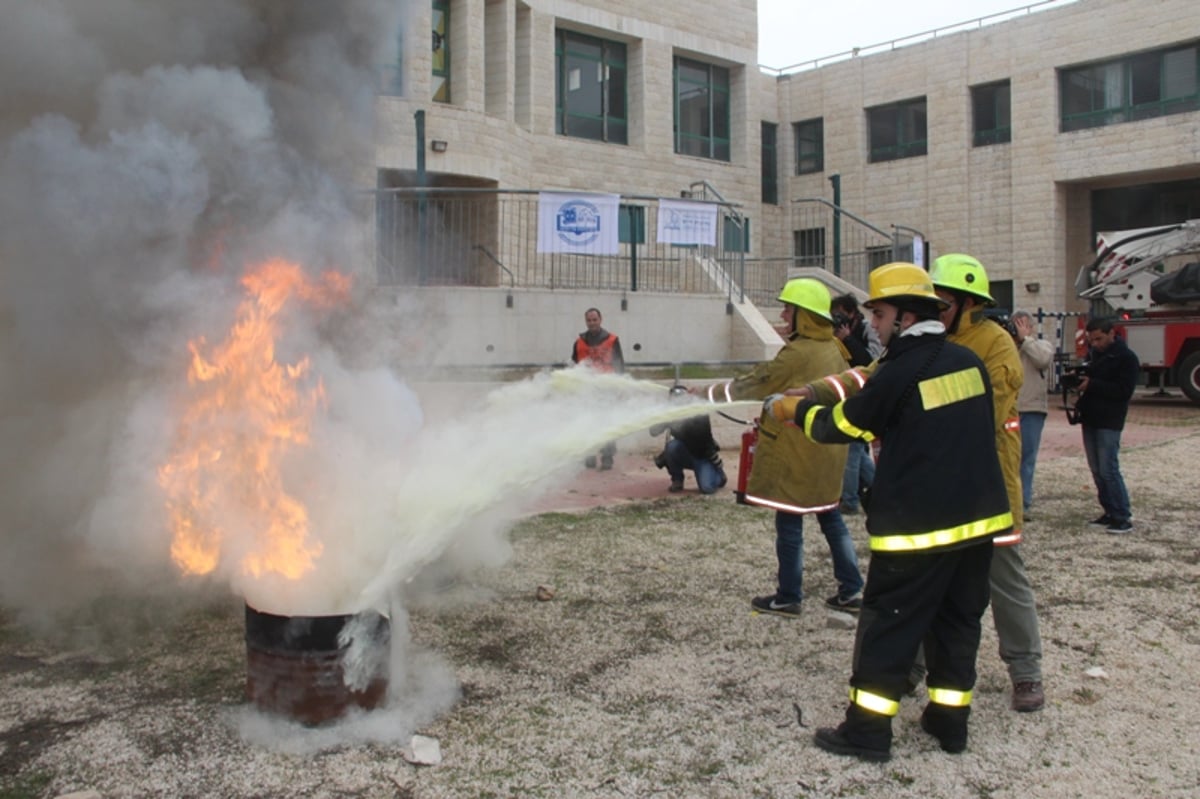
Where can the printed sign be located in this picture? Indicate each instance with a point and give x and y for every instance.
(687, 222)
(580, 223)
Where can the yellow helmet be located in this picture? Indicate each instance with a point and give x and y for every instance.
(901, 281)
(959, 272)
(808, 293)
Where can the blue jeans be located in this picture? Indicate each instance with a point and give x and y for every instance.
(1032, 423)
(860, 471)
(789, 550)
(1101, 448)
(708, 477)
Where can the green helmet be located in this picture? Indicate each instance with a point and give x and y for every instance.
(958, 272)
(808, 293)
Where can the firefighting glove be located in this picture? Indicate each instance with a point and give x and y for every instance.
(780, 407)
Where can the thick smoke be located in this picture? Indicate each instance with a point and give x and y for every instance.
(149, 150)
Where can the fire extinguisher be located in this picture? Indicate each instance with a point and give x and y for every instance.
(745, 461)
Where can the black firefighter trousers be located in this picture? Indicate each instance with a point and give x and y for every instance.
(936, 599)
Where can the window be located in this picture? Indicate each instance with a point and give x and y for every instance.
(897, 130)
(808, 247)
(810, 146)
(770, 164)
(701, 109)
(879, 255)
(1135, 87)
(441, 51)
(736, 234)
(589, 75)
(992, 108)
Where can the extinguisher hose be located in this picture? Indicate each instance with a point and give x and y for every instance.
(734, 419)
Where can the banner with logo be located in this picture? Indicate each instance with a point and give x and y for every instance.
(579, 223)
(687, 222)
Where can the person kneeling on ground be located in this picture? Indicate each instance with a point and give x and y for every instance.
(690, 446)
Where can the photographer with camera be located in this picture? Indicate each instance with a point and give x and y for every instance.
(1036, 356)
(1105, 388)
(690, 446)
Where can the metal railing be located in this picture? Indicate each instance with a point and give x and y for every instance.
(915, 38)
(486, 237)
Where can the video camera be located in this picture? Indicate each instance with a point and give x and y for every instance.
(1070, 381)
(1002, 317)
(1073, 375)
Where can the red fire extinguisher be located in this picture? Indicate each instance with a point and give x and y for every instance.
(745, 461)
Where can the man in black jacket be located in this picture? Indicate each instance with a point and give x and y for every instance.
(939, 499)
(690, 445)
(1104, 394)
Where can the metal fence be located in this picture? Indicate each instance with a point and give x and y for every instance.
(487, 237)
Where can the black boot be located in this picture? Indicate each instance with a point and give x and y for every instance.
(865, 735)
(948, 725)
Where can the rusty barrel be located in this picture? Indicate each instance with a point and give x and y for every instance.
(295, 666)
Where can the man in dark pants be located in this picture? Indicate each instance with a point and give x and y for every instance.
(690, 446)
(602, 351)
(1104, 395)
(938, 500)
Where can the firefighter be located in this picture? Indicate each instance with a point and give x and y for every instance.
(937, 502)
(962, 282)
(602, 351)
(790, 474)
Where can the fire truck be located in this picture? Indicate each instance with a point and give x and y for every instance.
(1149, 279)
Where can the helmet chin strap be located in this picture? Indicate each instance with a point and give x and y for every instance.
(960, 305)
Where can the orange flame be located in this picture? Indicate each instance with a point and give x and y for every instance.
(223, 480)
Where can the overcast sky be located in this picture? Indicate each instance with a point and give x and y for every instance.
(794, 31)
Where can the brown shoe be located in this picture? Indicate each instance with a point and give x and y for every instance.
(1028, 697)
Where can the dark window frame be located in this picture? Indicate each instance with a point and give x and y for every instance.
(908, 120)
(991, 113)
(607, 123)
(441, 41)
(770, 163)
(1130, 88)
(808, 247)
(811, 131)
(713, 141)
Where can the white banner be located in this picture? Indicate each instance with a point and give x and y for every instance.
(580, 223)
(687, 222)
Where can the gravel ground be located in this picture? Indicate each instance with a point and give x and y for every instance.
(646, 674)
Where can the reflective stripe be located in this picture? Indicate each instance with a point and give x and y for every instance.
(725, 387)
(844, 424)
(1012, 424)
(941, 538)
(1009, 540)
(950, 697)
(949, 389)
(837, 386)
(783, 506)
(809, 417)
(858, 377)
(875, 702)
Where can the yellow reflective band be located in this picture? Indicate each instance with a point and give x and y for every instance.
(950, 697)
(874, 702)
(843, 424)
(941, 538)
(951, 388)
(808, 419)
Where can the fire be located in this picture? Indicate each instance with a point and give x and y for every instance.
(224, 482)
